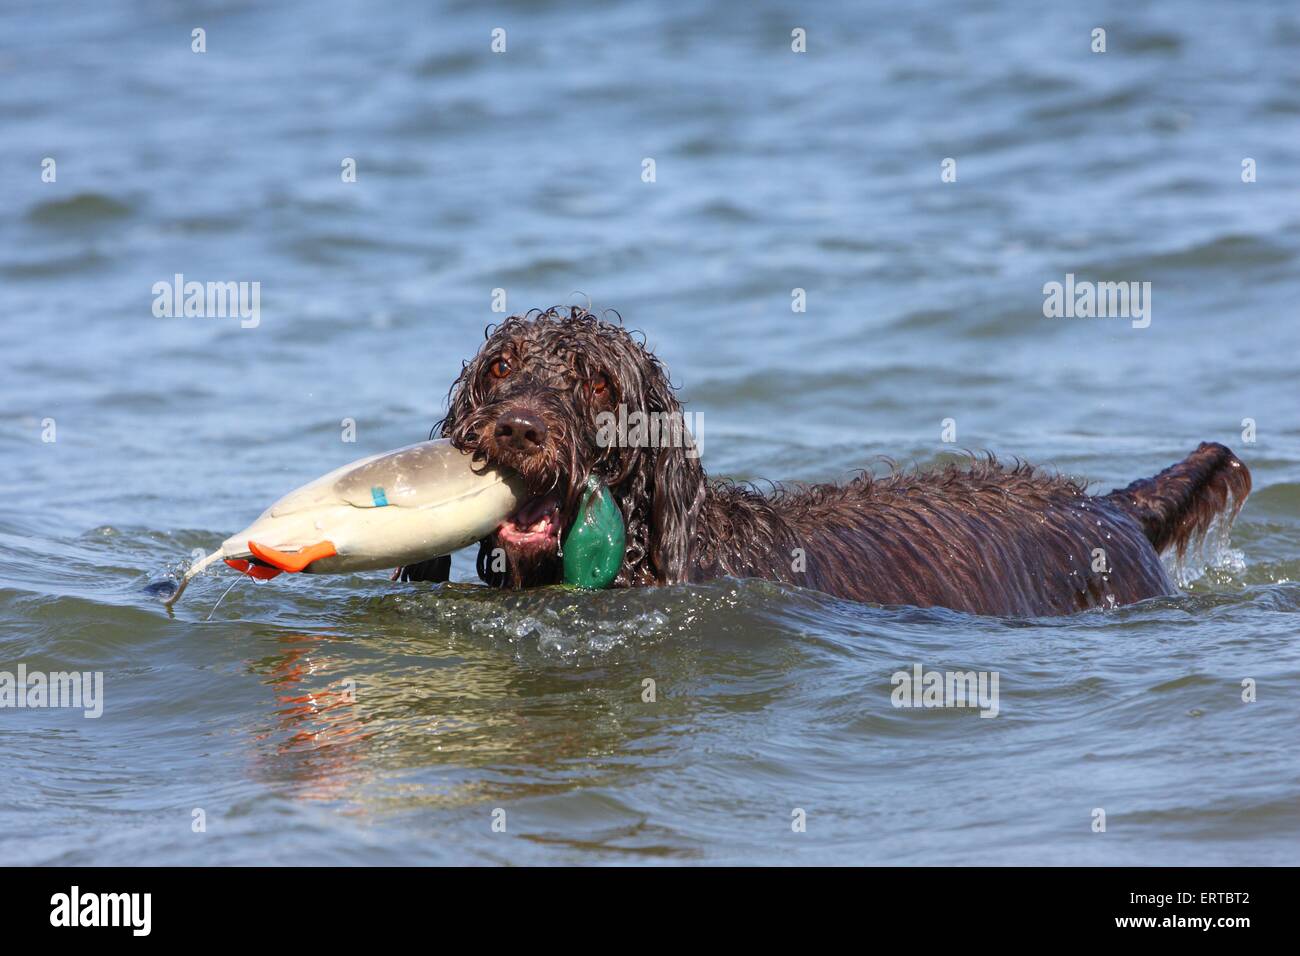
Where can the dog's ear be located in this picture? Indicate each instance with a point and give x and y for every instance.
(677, 486)
(676, 499)
(459, 402)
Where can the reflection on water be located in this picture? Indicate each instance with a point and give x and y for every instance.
(463, 680)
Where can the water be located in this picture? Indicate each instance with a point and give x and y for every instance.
(353, 721)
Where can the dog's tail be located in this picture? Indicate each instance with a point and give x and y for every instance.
(1180, 505)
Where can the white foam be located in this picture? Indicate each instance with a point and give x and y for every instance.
(1208, 552)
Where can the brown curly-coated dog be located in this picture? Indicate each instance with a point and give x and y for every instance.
(984, 538)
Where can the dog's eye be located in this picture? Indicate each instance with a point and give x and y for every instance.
(599, 385)
(500, 368)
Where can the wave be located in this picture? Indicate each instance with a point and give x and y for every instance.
(79, 210)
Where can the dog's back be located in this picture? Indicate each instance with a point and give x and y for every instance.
(986, 539)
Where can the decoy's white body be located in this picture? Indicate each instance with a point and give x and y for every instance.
(395, 508)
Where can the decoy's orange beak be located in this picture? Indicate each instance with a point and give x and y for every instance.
(271, 562)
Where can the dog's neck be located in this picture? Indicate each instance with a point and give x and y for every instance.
(744, 533)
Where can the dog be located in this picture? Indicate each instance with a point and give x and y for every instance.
(984, 538)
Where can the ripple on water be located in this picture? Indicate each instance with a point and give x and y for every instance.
(86, 208)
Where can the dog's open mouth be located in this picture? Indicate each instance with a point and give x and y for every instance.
(534, 529)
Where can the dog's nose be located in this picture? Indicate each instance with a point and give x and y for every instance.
(522, 431)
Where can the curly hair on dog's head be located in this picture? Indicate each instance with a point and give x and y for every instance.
(533, 398)
(541, 392)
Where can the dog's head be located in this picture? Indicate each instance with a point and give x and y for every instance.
(554, 395)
